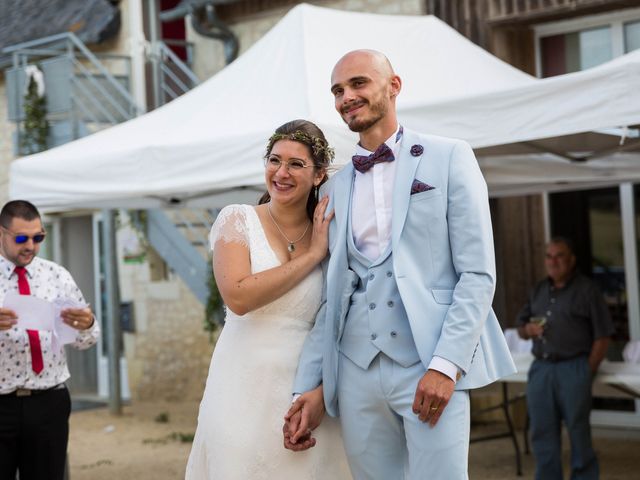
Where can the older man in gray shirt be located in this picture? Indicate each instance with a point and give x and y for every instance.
(569, 323)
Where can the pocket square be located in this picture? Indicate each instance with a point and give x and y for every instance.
(417, 186)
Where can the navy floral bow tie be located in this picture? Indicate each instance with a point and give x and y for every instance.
(363, 163)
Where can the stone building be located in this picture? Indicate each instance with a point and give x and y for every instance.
(167, 352)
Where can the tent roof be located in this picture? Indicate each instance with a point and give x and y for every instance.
(206, 146)
(574, 131)
(212, 138)
(532, 116)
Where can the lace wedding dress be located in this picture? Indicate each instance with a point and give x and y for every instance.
(239, 434)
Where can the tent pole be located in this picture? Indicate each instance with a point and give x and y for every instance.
(629, 239)
(629, 245)
(154, 38)
(113, 310)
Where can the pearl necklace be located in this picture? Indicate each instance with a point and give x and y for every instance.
(291, 243)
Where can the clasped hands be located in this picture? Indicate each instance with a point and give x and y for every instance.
(432, 395)
(303, 417)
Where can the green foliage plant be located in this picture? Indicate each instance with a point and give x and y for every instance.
(214, 310)
(35, 125)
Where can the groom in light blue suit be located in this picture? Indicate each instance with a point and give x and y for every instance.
(406, 326)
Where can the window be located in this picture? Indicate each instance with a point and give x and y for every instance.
(571, 52)
(631, 36)
(577, 44)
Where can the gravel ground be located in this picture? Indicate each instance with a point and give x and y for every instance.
(151, 441)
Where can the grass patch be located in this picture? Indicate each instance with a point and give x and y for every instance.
(181, 437)
(162, 417)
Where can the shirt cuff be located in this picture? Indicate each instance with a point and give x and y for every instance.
(442, 365)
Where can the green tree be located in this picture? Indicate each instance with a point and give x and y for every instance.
(35, 126)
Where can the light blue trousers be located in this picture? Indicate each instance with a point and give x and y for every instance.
(384, 439)
(561, 392)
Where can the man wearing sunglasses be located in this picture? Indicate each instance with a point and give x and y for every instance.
(34, 402)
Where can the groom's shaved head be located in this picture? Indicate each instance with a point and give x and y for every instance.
(377, 60)
(365, 87)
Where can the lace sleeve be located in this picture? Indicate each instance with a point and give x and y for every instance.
(230, 226)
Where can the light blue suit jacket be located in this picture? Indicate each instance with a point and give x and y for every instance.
(443, 261)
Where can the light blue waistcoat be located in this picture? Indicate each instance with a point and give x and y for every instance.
(376, 321)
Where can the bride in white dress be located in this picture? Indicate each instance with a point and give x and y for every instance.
(266, 263)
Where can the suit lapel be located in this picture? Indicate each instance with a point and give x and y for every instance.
(342, 200)
(405, 173)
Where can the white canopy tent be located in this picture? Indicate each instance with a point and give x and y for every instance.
(572, 131)
(206, 147)
(210, 141)
(595, 99)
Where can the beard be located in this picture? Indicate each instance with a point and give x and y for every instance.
(18, 258)
(377, 111)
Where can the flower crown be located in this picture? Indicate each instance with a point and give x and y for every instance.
(319, 146)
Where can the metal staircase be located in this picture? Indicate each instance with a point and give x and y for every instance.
(181, 238)
(172, 76)
(85, 92)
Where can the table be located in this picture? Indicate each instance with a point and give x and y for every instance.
(622, 376)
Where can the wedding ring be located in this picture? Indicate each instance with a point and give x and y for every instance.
(433, 409)
(75, 323)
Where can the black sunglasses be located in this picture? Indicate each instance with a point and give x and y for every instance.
(20, 239)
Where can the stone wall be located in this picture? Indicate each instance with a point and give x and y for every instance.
(168, 354)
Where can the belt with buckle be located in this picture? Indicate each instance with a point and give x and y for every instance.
(26, 392)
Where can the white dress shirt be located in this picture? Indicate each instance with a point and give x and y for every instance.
(371, 203)
(47, 281)
(371, 210)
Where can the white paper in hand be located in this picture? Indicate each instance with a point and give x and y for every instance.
(33, 313)
(63, 333)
